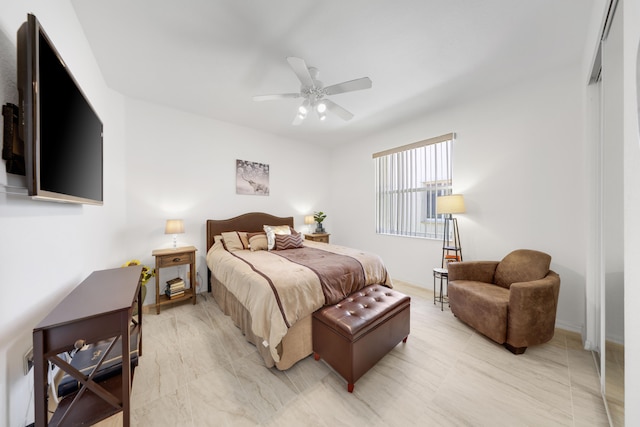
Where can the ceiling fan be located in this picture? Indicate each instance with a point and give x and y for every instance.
(314, 92)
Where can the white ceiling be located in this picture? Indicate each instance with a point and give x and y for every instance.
(211, 56)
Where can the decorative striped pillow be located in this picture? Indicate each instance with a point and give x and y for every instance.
(288, 241)
(272, 230)
(235, 241)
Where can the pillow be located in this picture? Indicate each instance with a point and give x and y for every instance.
(257, 241)
(285, 241)
(272, 230)
(244, 239)
(235, 241)
(523, 265)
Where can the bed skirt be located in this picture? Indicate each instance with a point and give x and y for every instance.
(295, 346)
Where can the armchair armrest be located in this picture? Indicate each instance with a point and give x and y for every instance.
(532, 310)
(479, 271)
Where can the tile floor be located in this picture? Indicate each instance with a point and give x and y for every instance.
(197, 370)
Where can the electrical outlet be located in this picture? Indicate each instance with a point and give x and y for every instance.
(28, 361)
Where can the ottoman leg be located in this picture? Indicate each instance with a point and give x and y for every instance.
(350, 387)
(405, 339)
(316, 356)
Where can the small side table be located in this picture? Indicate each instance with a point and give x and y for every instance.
(443, 275)
(171, 257)
(318, 237)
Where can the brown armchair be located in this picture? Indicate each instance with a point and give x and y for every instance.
(513, 301)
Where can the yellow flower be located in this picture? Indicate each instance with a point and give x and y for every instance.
(132, 262)
(146, 274)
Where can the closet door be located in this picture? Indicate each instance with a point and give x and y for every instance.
(612, 150)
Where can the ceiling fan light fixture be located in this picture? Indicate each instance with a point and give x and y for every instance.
(314, 92)
(304, 108)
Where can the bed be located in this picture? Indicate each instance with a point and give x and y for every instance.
(271, 295)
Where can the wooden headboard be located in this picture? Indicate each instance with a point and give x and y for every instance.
(250, 222)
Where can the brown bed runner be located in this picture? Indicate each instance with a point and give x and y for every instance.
(340, 275)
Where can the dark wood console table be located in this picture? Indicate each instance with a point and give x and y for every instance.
(99, 308)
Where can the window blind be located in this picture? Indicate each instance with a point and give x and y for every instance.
(408, 179)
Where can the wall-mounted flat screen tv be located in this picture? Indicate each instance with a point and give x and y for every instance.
(61, 131)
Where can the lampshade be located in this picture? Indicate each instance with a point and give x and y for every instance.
(174, 226)
(452, 204)
(309, 219)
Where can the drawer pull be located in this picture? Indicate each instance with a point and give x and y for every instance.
(176, 260)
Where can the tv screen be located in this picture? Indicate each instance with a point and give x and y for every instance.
(61, 131)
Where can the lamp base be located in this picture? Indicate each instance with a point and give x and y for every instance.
(451, 246)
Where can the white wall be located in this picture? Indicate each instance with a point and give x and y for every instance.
(519, 160)
(180, 165)
(46, 249)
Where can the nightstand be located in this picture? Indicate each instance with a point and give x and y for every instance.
(443, 275)
(318, 237)
(172, 257)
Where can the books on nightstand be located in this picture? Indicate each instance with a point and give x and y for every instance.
(175, 288)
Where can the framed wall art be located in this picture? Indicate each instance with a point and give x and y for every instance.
(252, 178)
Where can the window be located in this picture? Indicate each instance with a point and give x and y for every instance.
(407, 181)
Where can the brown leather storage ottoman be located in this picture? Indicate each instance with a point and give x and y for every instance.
(354, 334)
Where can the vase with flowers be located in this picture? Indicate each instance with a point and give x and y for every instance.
(147, 273)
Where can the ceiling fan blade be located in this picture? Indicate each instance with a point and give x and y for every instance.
(351, 85)
(337, 110)
(302, 71)
(276, 96)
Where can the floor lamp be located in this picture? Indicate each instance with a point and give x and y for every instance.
(447, 206)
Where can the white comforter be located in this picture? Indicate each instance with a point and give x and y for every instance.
(278, 292)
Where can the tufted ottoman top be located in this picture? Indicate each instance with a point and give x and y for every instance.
(362, 310)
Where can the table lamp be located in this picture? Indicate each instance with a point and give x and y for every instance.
(175, 227)
(308, 219)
